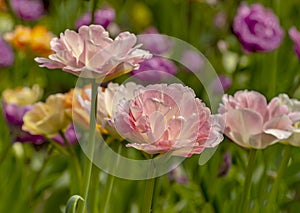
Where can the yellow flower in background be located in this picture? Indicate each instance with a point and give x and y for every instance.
(22, 96)
(47, 118)
(36, 39)
(140, 15)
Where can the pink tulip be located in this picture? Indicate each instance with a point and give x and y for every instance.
(164, 118)
(294, 114)
(92, 52)
(251, 122)
(295, 36)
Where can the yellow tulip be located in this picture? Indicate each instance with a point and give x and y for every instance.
(22, 96)
(47, 118)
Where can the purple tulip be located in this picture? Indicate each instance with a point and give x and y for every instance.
(295, 36)
(13, 114)
(225, 166)
(220, 20)
(178, 175)
(155, 69)
(225, 83)
(102, 17)
(257, 28)
(29, 10)
(69, 134)
(154, 42)
(192, 60)
(7, 56)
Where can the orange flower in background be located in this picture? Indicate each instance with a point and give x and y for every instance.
(36, 39)
(3, 6)
(40, 40)
(19, 38)
(76, 111)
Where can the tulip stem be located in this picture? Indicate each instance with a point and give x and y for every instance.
(248, 180)
(95, 190)
(5, 153)
(111, 181)
(90, 146)
(148, 195)
(74, 158)
(273, 194)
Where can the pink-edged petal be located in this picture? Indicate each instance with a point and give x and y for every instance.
(175, 126)
(74, 43)
(44, 62)
(123, 43)
(276, 108)
(281, 123)
(241, 124)
(163, 147)
(96, 35)
(157, 125)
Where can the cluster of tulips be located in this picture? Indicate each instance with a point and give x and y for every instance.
(155, 120)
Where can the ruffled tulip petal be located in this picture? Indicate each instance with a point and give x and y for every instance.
(241, 124)
(91, 51)
(152, 121)
(254, 127)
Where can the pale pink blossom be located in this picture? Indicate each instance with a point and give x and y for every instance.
(294, 114)
(253, 123)
(164, 118)
(92, 52)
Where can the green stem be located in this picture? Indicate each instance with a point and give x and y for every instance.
(148, 195)
(95, 189)
(111, 180)
(273, 194)
(74, 158)
(5, 152)
(247, 184)
(90, 146)
(38, 175)
(274, 61)
(57, 146)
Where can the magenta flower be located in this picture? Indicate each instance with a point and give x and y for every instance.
(226, 165)
(7, 56)
(154, 42)
(15, 103)
(93, 53)
(220, 20)
(102, 17)
(192, 60)
(251, 122)
(178, 175)
(225, 84)
(70, 135)
(295, 36)
(29, 10)
(164, 118)
(155, 69)
(13, 115)
(257, 28)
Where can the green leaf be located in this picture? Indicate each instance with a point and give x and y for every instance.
(206, 155)
(72, 203)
